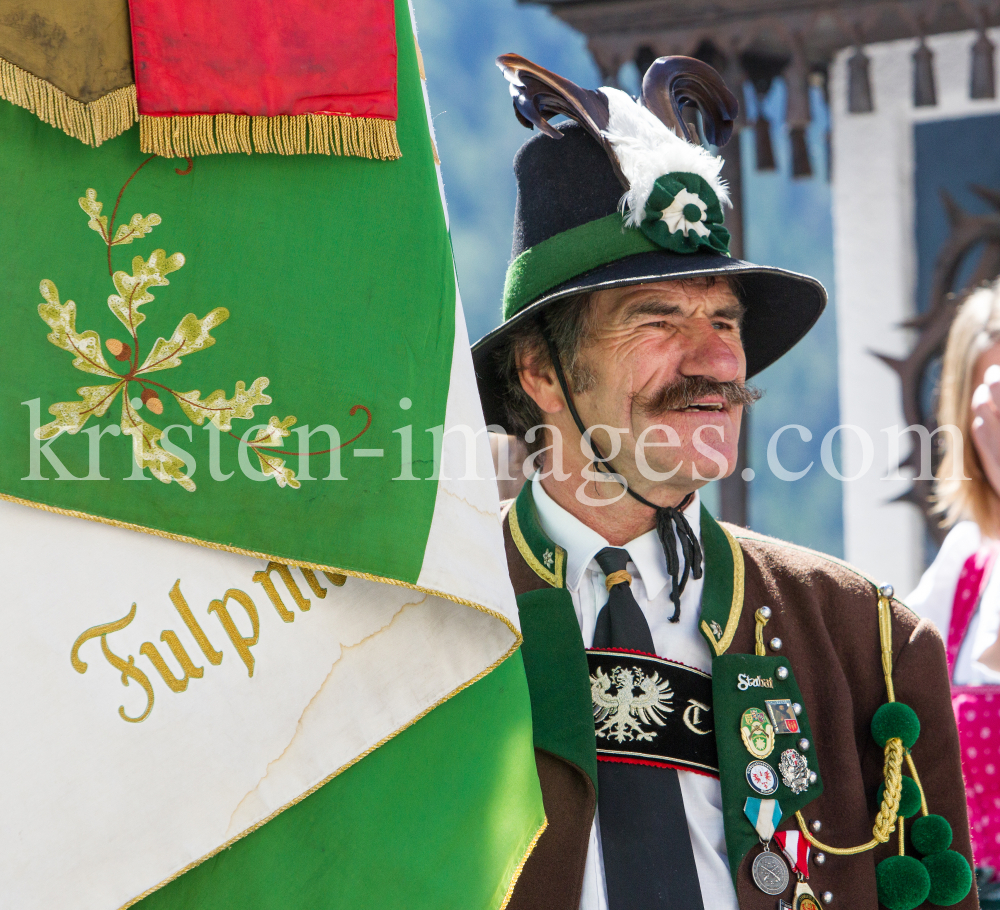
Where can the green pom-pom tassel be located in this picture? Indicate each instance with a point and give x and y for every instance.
(896, 719)
(909, 801)
(931, 834)
(903, 883)
(950, 877)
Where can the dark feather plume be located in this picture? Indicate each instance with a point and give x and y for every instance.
(540, 94)
(673, 83)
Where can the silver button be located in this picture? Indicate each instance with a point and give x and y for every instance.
(812, 777)
(775, 644)
(781, 672)
(797, 708)
(819, 859)
(803, 745)
(827, 897)
(816, 826)
(764, 612)
(886, 590)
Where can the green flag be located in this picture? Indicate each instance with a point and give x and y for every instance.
(265, 646)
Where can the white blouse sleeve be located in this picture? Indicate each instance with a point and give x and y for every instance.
(933, 597)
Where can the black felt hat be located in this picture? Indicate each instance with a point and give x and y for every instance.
(571, 235)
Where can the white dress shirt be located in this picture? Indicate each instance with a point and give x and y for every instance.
(680, 641)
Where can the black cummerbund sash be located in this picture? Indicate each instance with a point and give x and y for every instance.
(652, 711)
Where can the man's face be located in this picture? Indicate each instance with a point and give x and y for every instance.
(645, 340)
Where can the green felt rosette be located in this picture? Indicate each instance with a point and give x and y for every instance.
(683, 214)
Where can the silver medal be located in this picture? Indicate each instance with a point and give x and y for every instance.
(770, 873)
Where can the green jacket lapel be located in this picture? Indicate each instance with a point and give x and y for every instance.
(740, 683)
(555, 661)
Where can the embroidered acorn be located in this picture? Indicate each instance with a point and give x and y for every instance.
(152, 401)
(119, 349)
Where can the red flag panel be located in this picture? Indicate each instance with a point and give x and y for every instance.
(265, 57)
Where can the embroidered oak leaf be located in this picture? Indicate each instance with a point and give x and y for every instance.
(70, 416)
(133, 290)
(271, 464)
(147, 451)
(274, 432)
(138, 226)
(137, 390)
(85, 346)
(190, 336)
(223, 411)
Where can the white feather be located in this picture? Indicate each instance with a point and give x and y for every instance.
(647, 149)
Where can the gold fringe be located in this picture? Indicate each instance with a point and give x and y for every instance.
(91, 123)
(184, 136)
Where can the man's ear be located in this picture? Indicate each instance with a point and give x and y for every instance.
(538, 379)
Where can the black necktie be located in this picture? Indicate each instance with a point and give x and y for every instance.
(648, 858)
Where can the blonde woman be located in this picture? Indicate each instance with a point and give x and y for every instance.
(961, 590)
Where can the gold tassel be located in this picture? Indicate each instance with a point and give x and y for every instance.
(92, 123)
(302, 134)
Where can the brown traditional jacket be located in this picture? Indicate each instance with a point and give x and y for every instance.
(826, 615)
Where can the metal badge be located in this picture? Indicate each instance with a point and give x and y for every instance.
(804, 898)
(794, 771)
(782, 715)
(770, 873)
(761, 776)
(757, 733)
(784, 905)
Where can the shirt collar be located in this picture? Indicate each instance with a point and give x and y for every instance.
(583, 543)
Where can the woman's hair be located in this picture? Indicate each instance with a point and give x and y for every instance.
(962, 490)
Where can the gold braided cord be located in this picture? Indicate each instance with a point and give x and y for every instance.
(184, 136)
(885, 634)
(902, 847)
(92, 123)
(617, 578)
(916, 779)
(758, 632)
(885, 821)
(839, 851)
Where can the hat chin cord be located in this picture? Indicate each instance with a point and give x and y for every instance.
(671, 526)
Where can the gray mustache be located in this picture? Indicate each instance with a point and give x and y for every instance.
(684, 392)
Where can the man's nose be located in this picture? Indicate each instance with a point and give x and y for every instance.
(707, 353)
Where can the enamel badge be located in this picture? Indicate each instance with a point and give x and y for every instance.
(761, 776)
(782, 715)
(757, 733)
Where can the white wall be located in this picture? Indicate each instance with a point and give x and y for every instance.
(874, 245)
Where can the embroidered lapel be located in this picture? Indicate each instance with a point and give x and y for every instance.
(546, 559)
(722, 596)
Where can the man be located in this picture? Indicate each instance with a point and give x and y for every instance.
(688, 758)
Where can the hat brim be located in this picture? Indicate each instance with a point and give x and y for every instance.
(781, 306)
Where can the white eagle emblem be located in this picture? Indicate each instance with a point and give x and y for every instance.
(623, 713)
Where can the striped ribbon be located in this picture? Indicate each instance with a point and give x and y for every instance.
(764, 815)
